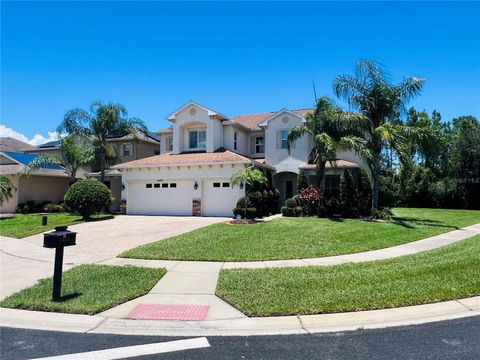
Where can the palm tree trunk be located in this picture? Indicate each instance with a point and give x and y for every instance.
(103, 150)
(375, 180)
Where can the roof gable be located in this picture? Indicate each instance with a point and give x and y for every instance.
(172, 116)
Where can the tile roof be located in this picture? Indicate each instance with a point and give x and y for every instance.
(328, 165)
(12, 144)
(252, 120)
(221, 155)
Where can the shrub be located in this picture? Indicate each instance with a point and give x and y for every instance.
(26, 208)
(291, 212)
(251, 212)
(291, 203)
(347, 195)
(256, 199)
(332, 208)
(53, 208)
(302, 181)
(88, 196)
(382, 214)
(241, 203)
(310, 200)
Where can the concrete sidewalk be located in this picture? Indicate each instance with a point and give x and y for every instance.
(283, 325)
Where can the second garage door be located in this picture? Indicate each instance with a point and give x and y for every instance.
(165, 198)
(219, 198)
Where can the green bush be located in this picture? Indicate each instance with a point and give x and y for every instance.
(26, 208)
(291, 212)
(52, 208)
(302, 181)
(251, 212)
(332, 207)
(291, 203)
(241, 203)
(88, 197)
(382, 214)
(347, 195)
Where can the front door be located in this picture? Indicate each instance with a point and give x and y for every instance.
(288, 189)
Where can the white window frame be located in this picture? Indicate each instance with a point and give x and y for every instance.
(126, 146)
(283, 141)
(198, 147)
(259, 145)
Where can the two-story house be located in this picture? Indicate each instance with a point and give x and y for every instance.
(203, 148)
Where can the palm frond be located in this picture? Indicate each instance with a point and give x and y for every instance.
(42, 162)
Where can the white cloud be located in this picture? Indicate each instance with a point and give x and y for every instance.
(37, 139)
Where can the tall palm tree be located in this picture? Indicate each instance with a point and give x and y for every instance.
(73, 155)
(101, 121)
(248, 177)
(371, 93)
(6, 188)
(332, 130)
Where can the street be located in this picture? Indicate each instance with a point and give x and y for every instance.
(454, 339)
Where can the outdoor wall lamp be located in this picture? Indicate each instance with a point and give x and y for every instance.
(195, 186)
(241, 185)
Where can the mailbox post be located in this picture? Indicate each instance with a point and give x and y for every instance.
(58, 239)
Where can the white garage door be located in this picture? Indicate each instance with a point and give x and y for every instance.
(166, 198)
(219, 198)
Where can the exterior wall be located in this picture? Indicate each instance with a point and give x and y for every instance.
(116, 189)
(41, 188)
(251, 144)
(278, 157)
(228, 138)
(193, 173)
(8, 207)
(163, 143)
(194, 116)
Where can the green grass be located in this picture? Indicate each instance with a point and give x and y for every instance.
(444, 274)
(21, 226)
(291, 238)
(88, 289)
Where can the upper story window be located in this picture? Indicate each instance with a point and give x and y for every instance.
(283, 139)
(235, 139)
(169, 143)
(127, 150)
(197, 139)
(259, 145)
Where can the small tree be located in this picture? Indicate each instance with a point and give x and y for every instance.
(248, 177)
(302, 181)
(6, 188)
(88, 197)
(347, 194)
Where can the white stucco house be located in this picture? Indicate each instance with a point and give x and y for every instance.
(201, 150)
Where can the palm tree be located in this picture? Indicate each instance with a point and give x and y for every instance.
(248, 178)
(332, 130)
(371, 93)
(73, 155)
(6, 187)
(102, 120)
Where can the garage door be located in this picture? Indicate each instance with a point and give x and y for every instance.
(219, 198)
(166, 198)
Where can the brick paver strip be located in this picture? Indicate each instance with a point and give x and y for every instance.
(169, 312)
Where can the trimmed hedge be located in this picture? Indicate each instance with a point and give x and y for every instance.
(88, 196)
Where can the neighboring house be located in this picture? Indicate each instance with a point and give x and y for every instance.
(11, 144)
(48, 184)
(203, 148)
(127, 148)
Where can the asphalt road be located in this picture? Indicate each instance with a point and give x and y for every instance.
(455, 339)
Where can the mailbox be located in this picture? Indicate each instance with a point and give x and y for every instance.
(60, 237)
(57, 240)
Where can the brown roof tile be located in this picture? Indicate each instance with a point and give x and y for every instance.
(186, 158)
(252, 120)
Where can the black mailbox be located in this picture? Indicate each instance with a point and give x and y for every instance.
(60, 237)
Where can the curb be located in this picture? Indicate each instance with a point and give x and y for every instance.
(283, 325)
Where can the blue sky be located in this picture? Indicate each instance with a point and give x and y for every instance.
(233, 57)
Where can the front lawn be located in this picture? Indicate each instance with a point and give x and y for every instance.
(24, 225)
(292, 238)
(444, 274)
(88, 289)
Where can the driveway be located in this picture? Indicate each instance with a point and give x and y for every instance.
(109, 238)
(24, 261)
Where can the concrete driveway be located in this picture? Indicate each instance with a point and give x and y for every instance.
(24, 261)
(108, 238)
